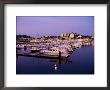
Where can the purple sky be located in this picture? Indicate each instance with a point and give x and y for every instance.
(54, 25)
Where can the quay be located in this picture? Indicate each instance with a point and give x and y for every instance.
(42, 55)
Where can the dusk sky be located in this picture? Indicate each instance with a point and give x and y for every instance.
(38, 26)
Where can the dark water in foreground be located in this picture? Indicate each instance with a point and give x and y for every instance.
(81, 61)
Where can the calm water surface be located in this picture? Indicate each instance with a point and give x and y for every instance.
(81, 61)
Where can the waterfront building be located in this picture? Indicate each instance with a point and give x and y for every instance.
(33, 40)
(61, 35)
(67, 36)
(71, 35)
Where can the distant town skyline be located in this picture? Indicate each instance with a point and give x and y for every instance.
(38, 26)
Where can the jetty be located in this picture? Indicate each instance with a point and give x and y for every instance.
(42, 55)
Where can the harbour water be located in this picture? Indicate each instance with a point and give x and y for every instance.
(81, 61)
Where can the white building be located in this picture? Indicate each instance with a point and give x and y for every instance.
(71, 35)
(33, 40)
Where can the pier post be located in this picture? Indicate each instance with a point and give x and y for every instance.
(59, 57)
(25, 48)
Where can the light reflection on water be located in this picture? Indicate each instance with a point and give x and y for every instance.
(81, 61)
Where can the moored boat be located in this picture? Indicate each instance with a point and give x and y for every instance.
(34, 49)
(54, 51)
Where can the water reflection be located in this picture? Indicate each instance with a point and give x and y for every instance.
(56, 67)
(57, 62)
(80, 62)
